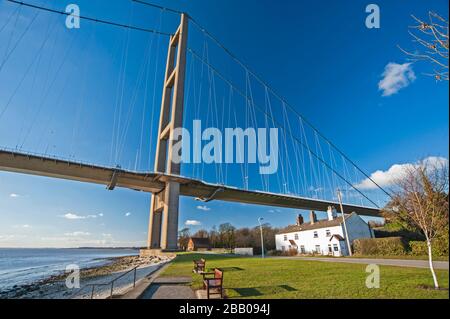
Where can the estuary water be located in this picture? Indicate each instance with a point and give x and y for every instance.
(24, 266)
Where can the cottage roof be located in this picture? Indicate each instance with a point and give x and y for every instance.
(325, 223)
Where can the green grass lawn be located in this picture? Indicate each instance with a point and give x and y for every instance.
(284, 278)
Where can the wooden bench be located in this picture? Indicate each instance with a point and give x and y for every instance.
(199, 266)
(213, 282)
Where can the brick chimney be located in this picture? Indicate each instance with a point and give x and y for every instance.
(331, 212)
(313, 217)
(299, 220)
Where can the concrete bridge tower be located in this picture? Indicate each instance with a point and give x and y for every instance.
(163, 224)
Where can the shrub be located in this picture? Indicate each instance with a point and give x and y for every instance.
(274, 253)
(439, 248)
(290, 252)
(390, 246)
(418, 248)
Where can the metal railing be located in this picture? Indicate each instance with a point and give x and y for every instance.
(111, 283)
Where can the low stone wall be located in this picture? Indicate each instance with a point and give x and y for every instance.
(156, 252)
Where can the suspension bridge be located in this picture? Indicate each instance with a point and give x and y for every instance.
(193, 85)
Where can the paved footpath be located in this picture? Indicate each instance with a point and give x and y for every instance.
(156, 287)
(379, 261)
(169, 288)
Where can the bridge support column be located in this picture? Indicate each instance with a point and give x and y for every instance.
(163, 225)
(154, 227)
(169, 233)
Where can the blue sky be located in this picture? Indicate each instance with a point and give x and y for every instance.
(317, 54)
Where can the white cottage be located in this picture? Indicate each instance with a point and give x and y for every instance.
(325, 237)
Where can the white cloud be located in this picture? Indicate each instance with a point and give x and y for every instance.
(128, 214)
(75, 216)
(435, 160)
(100, 215)
(387, 178)
(204, 208)
(193, 223)
(26, 226)
(396, 77)
(14, 195)
(277, 210)
(77, 234)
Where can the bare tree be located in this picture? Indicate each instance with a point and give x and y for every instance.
(214, 237)
(202, 233)
(433, 37)
(183, 238)
(227, 235)
(420, 201)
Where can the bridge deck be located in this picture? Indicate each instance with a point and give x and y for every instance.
(154, 183)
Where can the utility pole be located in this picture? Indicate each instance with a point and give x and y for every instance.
(345, 225)
(262, 238)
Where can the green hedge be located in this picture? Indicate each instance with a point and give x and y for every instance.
(398, 246)
(390, 246)
(439, 248)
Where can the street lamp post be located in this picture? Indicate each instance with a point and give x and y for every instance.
(262, 238)
(345, 224)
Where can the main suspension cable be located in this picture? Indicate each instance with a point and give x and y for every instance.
(116, 24)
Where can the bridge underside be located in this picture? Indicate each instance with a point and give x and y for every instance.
(155, 183)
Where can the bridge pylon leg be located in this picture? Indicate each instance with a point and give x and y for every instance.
(163, 225)
(155, 222)
(169, 231)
